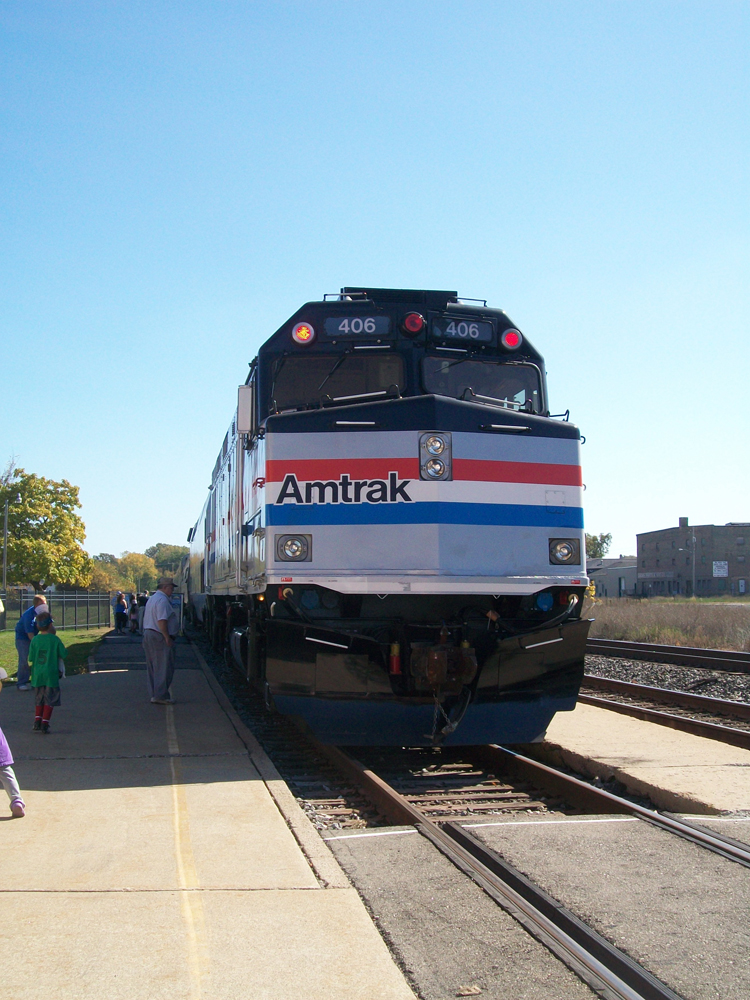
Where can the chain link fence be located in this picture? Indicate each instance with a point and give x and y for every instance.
(77, 609)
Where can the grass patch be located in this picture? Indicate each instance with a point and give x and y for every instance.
(706, 624)
(80, 646)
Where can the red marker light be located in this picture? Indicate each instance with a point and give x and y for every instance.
(413, 323)
(303, 333)
(511, 340)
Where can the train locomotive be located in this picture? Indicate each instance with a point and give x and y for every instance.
(392, 546)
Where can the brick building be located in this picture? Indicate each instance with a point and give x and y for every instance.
(706, 559)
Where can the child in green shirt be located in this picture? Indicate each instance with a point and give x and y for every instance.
(45, 652)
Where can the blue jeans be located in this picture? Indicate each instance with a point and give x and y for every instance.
(24, 670)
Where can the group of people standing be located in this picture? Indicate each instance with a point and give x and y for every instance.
(41, 665)
(158, 622)
(41, 662)
(129, 613)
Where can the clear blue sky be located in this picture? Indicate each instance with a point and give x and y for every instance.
(177, 178)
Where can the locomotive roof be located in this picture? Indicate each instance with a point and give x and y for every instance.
(396, 303)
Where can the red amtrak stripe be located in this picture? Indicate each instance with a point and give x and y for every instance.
(480, 471)
(309, 470)
(464, 469)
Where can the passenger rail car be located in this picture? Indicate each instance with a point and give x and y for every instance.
(392, 544)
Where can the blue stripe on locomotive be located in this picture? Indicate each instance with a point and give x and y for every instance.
(430, 512)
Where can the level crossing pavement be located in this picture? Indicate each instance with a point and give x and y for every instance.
(162, 856)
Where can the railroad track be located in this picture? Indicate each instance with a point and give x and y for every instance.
(434, 788)
(605, 968)
(686, 656)
(645, 696)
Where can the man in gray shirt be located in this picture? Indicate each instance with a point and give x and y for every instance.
(160, 628)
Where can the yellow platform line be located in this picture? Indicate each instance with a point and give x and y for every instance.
(191, 904)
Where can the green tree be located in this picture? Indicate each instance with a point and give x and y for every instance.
(139, 570)
(167, 557)
(45, 533)
(597, 546)
(106, 573)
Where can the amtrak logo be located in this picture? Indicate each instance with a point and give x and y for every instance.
(346, 490)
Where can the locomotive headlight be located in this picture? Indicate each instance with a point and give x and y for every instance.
(434, 468)
(294, 548)
(435, 445)
(432, 444)
(564, 551)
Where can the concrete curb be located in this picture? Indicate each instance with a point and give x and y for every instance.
(663, 798)
(318, 854)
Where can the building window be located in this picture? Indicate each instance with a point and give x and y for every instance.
(657, 546)
(672, 543)
(673, 562)
(643, 562)
(703, 541)
(657, 561)
(687, 560)
(703, 559)
(740, 541)
(741, 557)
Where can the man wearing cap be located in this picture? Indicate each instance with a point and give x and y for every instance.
(160, 627)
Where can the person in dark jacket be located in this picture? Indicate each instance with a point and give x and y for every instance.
(26, 629)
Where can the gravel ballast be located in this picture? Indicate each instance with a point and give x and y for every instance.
(695, 680)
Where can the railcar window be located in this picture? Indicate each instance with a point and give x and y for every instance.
(303, 381)
(510, 384)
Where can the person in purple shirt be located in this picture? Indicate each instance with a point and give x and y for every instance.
(25, 631)
(7, 774)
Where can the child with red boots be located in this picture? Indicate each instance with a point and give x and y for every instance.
(46, 654)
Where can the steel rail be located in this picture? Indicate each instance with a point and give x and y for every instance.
(666, 696)
(686, 656)
(580, 791)
(696, 727)
(605, 968)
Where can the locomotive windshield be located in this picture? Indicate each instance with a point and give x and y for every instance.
(304, 381)
(511, 384)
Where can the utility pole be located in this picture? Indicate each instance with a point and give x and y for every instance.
(5, 550)
(694, 557)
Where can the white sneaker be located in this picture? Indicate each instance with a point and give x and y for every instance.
(23, 687)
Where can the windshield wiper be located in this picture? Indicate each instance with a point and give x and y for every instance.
(279, 365)
(506, 403)
(392, 392)
(338, 363)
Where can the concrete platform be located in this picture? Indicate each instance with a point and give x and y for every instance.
(162, 856)
(677, 771)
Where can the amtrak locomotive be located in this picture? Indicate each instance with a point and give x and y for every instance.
(392, 544)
